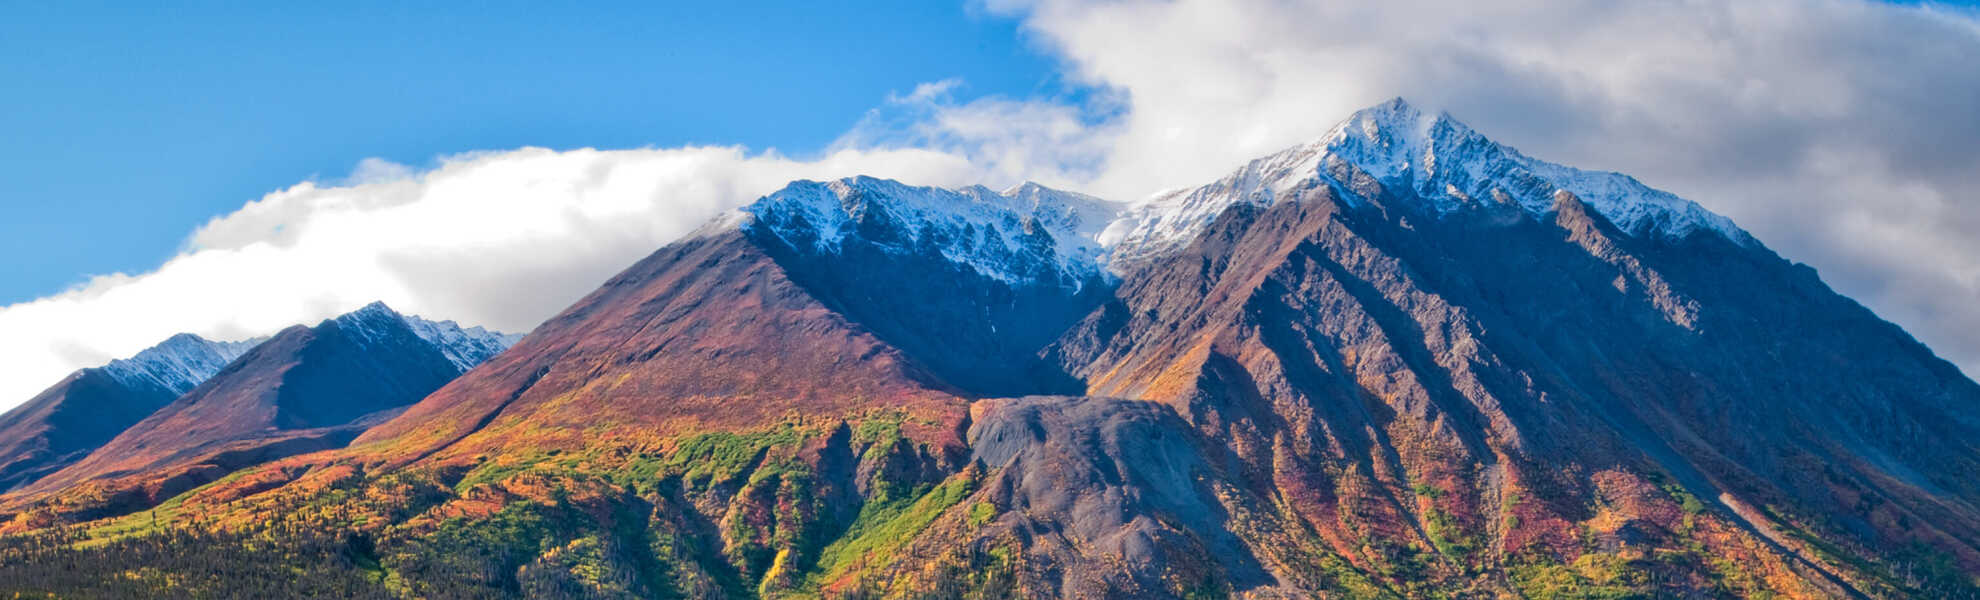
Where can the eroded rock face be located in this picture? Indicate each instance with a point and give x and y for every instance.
(1467, 381)
(1118, 491)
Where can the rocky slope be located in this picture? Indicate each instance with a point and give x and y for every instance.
(78, 414)
(1399, 361)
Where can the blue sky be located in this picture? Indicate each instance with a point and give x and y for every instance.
(126, 129)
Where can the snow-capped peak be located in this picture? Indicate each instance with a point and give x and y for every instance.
(1446, 164)
(1391, 150)
(1082, 215)
(180, 363)
(464, 347)
(1026, 233)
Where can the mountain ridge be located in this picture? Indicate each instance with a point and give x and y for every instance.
(1391, 144)
(1334, 371)
(1026, 232)
(303, 389)
(87, 408)
(182, 361)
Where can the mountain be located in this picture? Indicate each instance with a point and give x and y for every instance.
(84, 410)
(1398, 361)
(304, 389)
(1578, 367)
(971, 283)
(813, 298)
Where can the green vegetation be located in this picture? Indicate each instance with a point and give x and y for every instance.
(1301, 548)
(883, 527)
(1447, 534)
(721, 457)
(1592, 576)
(1209, 587)
(880, 427)
(1691, 504)
(1931, 572)
(151, 521)
(496, 471)
(1918, 570)
(186, 563)
(586, 567)
(981, 513)
(774, 523)
(968, 573)
(759, 514)
(1727, 576)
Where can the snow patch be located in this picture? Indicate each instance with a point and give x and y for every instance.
(1450, 167)
(1026, 233)
(465, 347)
(180, 363)
(1433, 159)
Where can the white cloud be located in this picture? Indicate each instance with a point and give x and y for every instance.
(1058, 144)
(1844, 134)
(502, 239)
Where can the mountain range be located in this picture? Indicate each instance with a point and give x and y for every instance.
(189, 410)
(1401, 360)
(87, 408)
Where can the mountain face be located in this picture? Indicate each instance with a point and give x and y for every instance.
(1517, 386)
(69, 419)
(972, 283)
(304, 389)
(1398, 361)
(816, 299)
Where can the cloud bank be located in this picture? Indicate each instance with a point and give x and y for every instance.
(502, 239)
(1843, 134)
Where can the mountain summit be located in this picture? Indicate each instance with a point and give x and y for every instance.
(304, 389)
(1400, 361)
(1027, 233)
(76, 415)
(1440, 166)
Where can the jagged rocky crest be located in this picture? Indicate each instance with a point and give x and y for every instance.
(1444, 166)
(463, 346)
(1027, 233)
(1400, 361)
(180, 362)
